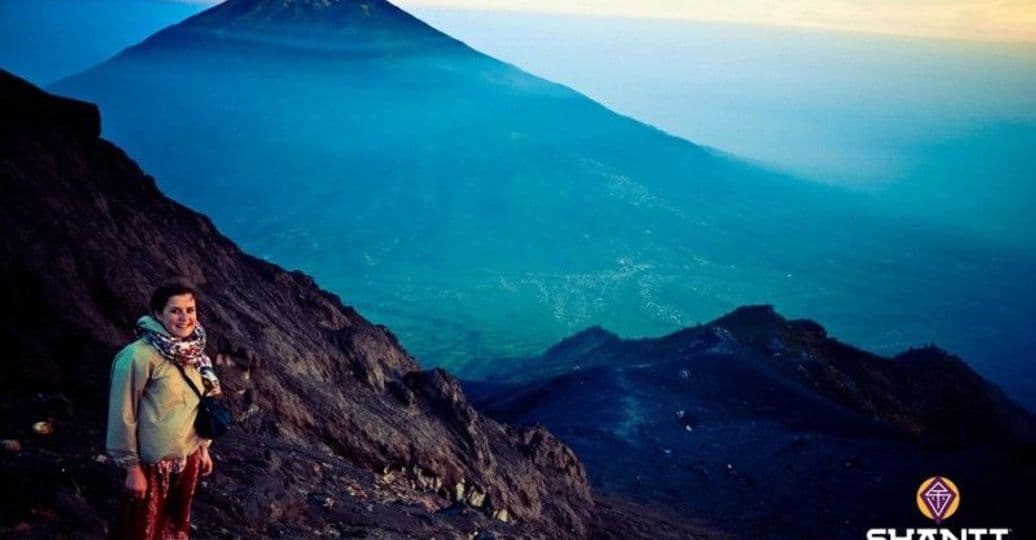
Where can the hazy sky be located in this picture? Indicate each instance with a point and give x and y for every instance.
(986, 20)
(999, 20)
(939, 129)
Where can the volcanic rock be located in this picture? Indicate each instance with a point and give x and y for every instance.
(775, 429)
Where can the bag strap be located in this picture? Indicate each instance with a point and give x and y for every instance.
(189, 381)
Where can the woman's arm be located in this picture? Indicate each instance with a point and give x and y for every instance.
(130, 375)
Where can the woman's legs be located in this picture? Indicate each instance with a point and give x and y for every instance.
(176, 522)
(165, 511)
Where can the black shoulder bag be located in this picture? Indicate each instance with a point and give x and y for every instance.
(213, 416)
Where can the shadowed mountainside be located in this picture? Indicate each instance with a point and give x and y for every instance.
(771, 426)
(338, 430)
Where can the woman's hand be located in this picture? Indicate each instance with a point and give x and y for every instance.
(136, 483)
(206, 464)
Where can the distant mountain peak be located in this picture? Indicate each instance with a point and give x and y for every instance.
(328, 11)
(308, 24)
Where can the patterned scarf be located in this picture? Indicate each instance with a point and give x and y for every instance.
(185, 352)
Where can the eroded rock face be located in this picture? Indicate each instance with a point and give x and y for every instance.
(328, 404)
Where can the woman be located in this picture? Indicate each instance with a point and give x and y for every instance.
(151, 417)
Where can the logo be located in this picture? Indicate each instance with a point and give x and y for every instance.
(938, 498)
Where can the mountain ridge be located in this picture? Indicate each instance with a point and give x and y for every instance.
(799, 351)
(774, 428)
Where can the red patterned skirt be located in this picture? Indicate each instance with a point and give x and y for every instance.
(165, 511)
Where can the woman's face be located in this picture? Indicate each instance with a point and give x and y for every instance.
(179, 316)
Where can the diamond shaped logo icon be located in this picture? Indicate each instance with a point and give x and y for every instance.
(938, 498)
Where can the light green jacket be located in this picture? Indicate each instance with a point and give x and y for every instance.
(151, 409)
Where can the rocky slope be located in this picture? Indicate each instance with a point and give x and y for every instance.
(339, 431)
(773, 428)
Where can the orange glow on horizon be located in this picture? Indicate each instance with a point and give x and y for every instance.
(982, 20)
